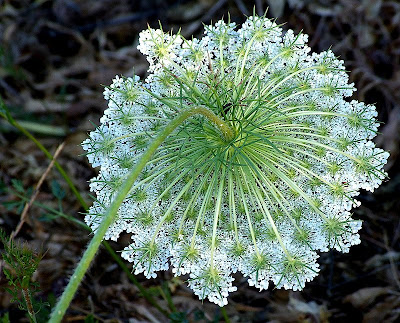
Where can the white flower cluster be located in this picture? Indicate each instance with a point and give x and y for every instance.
(261, 204)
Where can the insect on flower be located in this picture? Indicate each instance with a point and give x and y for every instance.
(262, 201)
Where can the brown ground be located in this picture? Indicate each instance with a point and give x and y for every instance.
(54, 56)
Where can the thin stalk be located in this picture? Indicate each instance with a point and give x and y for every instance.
(165, 293)
(27, 297)
(232, 208)
(246, 211)
(217, 215)
(265, 208)
(225, 315)
(133, 279)
(112, 211)
(203, 205)
(71, 185)
(169, 210)
(192, 202)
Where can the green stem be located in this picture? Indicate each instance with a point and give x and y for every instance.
(165, 293)
(71, 185)
(133, 279)
(112, 211)
(225, 315)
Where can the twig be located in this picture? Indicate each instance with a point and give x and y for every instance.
(36, 192)
(6, 115)
(23, 218)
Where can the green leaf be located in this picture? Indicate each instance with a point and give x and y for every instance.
(17, 184)
(8, 274)
(48, 217)
(12, 205)
(57, 190)
(5, 318)
(3, 187)
(90, 319)
(199, 315)
(178, 317)
(13, 293)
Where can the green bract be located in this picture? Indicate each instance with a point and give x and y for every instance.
(259, 194)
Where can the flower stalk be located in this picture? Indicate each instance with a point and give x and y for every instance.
(112, 211)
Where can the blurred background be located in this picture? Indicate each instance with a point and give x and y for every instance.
(55, 58)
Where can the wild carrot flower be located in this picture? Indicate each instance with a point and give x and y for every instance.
(262, 201)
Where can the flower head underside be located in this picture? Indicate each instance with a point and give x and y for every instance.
(260, 197)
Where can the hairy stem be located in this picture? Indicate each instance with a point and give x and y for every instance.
(111, 213)
(29, 306)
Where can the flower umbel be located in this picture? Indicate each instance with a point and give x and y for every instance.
(259, 194)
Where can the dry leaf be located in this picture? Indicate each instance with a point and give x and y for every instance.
(365, 296)
(386, 311)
